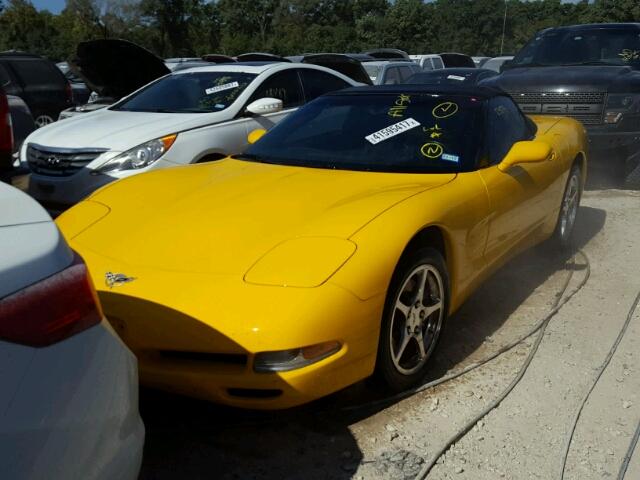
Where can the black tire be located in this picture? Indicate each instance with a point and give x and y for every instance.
(567, 217)
(388, 365)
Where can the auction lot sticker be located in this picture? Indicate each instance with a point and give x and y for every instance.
(392, 131)
(221, 88)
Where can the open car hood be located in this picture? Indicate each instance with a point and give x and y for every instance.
(344, 64)
(115, 68)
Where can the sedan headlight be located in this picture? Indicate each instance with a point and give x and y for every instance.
(620, 103)
(285, 360)
(140, 156)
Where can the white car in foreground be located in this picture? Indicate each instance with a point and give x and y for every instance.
(193, 115)
(68, 385)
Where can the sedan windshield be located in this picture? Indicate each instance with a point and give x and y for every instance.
(191, 92)
(597, 46)
(384, 132)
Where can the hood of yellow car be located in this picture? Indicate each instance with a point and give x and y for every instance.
(222, 217)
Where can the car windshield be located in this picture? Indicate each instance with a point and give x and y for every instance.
(190, 92)
(383, 132)
(597, 46)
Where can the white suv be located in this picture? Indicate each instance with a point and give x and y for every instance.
(194, 115)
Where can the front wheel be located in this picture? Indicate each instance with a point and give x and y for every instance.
(414, 314)
(569, 208)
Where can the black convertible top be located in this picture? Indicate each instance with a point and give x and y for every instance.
(465, 90)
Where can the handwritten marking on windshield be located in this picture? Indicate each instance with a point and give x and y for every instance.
(445, 110)
(434, 132)
(399, 106)
(432, 150)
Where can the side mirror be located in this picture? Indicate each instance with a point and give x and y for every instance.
(256, 135)
(525, 152)
(263, 106)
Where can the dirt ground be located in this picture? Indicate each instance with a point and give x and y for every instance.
(523, 438)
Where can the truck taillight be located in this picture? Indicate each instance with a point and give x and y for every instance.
(6, 129)
(52, 309)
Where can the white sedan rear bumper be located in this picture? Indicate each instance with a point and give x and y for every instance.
(70, 410)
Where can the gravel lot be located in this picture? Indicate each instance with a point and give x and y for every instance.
(523, 438)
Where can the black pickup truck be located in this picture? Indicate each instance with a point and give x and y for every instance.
(591, 73)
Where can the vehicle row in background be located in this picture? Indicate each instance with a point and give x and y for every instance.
(190, 116)
(590, 73)
(38, 82)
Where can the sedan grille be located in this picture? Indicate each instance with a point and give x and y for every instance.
(586, 107)
(60, 162)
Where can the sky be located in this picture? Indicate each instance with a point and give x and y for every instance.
(54, 6)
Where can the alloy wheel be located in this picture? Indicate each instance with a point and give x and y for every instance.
(570, 204)
(417, 318)
(42, 120)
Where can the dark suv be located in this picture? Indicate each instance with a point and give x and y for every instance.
(588, 72)
(38, 82)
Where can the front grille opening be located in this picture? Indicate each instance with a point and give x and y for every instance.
(254, 392)
(586, 107)
(206, 357)
(60, 162)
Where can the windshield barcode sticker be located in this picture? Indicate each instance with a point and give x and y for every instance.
(222, 88)
(392, 131)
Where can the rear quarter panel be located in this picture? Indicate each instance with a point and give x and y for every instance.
(568, 139)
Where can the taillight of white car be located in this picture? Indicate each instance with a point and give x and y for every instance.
(52, 309)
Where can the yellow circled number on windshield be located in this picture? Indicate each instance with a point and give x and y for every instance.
(432, 150)
(444, 109)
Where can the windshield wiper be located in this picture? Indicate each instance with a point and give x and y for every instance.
(509, 66)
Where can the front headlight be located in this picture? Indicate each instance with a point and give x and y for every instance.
(285, 360)
(140, 156)
(619, 104)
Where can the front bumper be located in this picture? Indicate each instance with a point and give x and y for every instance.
(71, 409)
(608, 137)
(201, 342)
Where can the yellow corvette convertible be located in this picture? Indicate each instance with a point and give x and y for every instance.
(334, 248)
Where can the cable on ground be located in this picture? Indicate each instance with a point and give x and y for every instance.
(560, 302)
(629, 454)
(601, 370)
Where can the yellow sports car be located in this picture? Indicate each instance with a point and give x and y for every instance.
(334, 248)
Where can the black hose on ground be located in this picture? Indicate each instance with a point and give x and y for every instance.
(601, 370)
(560, 302)
(629, 454)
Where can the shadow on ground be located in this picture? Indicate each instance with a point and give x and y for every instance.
(191, 439)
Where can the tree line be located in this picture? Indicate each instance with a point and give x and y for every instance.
(181, 28)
